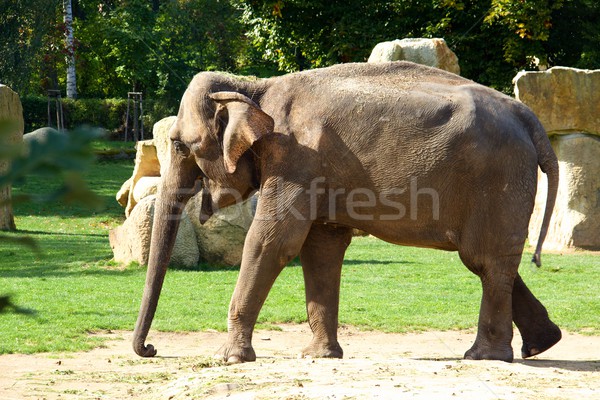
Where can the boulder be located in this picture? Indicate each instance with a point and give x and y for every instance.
(221, 238)
(151, 159)
(43, 135)
(576, 218)
(160, 133)
(145, 186)
(567, 102)
(11, 114)
(219, 241)
(131, 241)
(564, 99)
(146, 164)
(123, 193)
(431, 52)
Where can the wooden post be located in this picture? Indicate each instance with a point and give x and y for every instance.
(134, 99)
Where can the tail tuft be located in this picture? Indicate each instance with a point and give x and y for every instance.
(537, 259)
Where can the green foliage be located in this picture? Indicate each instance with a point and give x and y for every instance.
(306, 34)
(153, 47)
(575, 35)
(105, 147)
(25, 27)
(60, 155)
(156, 47)
(35, 112)
(528, 26)
(492, 43)
(157, 50)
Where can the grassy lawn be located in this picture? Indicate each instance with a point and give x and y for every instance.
(104, 147)
(74, 288)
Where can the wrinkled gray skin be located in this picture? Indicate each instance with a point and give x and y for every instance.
(438, 161)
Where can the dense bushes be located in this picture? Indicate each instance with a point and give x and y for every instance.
(105, 113)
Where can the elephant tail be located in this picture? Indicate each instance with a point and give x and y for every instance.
(548, 163)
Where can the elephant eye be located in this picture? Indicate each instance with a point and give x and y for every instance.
(181, 148)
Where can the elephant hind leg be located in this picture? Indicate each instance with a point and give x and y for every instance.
(496, 262)
(491, 245)
(539, 333)
(321, 256)
(494, 329)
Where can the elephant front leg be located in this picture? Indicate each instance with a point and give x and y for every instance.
(268, 247)
(322, 255)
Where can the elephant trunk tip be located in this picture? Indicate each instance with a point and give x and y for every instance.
(144, 351)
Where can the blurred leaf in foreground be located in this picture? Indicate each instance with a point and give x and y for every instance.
(59, 154)
(65, 155)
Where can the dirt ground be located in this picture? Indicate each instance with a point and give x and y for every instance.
(376, 366)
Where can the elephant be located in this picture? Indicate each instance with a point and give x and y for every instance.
(412, 155)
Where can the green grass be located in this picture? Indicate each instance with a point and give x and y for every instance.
(75, 288)
(106, 147)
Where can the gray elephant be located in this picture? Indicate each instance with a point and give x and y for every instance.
(410, 154)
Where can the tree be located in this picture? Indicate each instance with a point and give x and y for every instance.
(24, 25)
(574, 39)
(492, 43)
(527, 26)
(154, 47)
(157, 46)
(70, 50)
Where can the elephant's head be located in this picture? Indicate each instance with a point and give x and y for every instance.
(210, 149)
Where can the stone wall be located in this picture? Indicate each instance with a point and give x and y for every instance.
(567, 102)
(11, 113)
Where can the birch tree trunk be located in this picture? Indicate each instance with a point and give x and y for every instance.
(70, 47)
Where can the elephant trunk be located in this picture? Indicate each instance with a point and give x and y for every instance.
(169, 206)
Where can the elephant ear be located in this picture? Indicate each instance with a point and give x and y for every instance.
(246, 124)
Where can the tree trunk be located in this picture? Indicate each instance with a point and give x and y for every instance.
(11, 116)
(70, 50)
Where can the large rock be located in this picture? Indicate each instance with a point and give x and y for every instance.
(131, 241)
(145, 186)
(576, 219)
(44, 135)
(219, 241)
(160, 133)
(221, 238)
(564, 99)
(122, 195)
(567, 102)
(11, 117)
(431, 52)
(151, 159)
(146, 165)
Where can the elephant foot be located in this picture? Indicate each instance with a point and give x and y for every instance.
(541, 343)
(478, 352)
(323, 350)
(232, 354)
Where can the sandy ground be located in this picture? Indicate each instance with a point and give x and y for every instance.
(376, 366)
